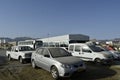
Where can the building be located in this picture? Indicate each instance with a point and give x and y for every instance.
(64, 40)
(13, 43)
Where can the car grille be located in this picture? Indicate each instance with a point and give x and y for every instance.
(28, 55)
(78, 65)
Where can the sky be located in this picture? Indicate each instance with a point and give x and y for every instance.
(99, 19)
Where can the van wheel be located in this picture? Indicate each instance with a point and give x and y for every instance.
(33, 64)
(54, 72)
(98, 61)
(9, 58)
(21, 60)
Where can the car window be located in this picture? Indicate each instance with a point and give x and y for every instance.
(77, 48)
(86, 49)
(39, 51)
(45, 52)
(71, 48)
(96, 48)
(25, 48)
(13, 49)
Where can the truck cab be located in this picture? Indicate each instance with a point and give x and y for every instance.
(90, 52)
(21, 53)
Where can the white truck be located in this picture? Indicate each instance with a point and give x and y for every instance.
(21, 53)
(90, 52)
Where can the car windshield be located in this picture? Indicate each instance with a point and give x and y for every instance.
(58, 52)
(25, 48)
(95, 48)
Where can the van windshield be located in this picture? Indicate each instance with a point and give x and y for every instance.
(95, 48)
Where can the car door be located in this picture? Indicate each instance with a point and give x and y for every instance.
(38, 57)
(86, 53)
(46, 59)
(14, 53)
(77, 51)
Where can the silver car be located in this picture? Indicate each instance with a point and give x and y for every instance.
(58, 61)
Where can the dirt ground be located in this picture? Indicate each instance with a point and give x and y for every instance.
(13, 70)
(17, 71)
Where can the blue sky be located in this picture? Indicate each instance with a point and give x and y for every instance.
(100, 19)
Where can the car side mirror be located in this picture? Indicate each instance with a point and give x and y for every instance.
(90, 51)
(48, 56)
(16, 50)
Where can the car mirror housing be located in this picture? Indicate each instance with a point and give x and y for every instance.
(16, 50)
(47, 56)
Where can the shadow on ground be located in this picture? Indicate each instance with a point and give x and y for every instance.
(3, 60)
(94, 72)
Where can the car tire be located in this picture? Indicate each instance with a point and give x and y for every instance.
(21, 60)
(33, 64)
(9, 58)
(97, 61)
(54, 73)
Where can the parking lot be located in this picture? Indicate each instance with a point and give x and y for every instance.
(13, 70)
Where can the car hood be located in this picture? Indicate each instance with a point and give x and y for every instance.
(106, 53)
(115, 53)
(69, 60)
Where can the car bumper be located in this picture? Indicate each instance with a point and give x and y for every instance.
(70, 72)
(27, 58)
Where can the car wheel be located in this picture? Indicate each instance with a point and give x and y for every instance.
(33, 64)
(54, 72)
(98, 61)
(21, 60)
(9, 58)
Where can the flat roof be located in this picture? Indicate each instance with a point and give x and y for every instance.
(66, 38)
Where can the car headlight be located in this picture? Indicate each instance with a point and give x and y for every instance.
(66, 66)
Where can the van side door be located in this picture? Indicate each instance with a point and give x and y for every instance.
(76, 50)
(87, 54)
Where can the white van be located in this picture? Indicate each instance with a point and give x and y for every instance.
(90, 52)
